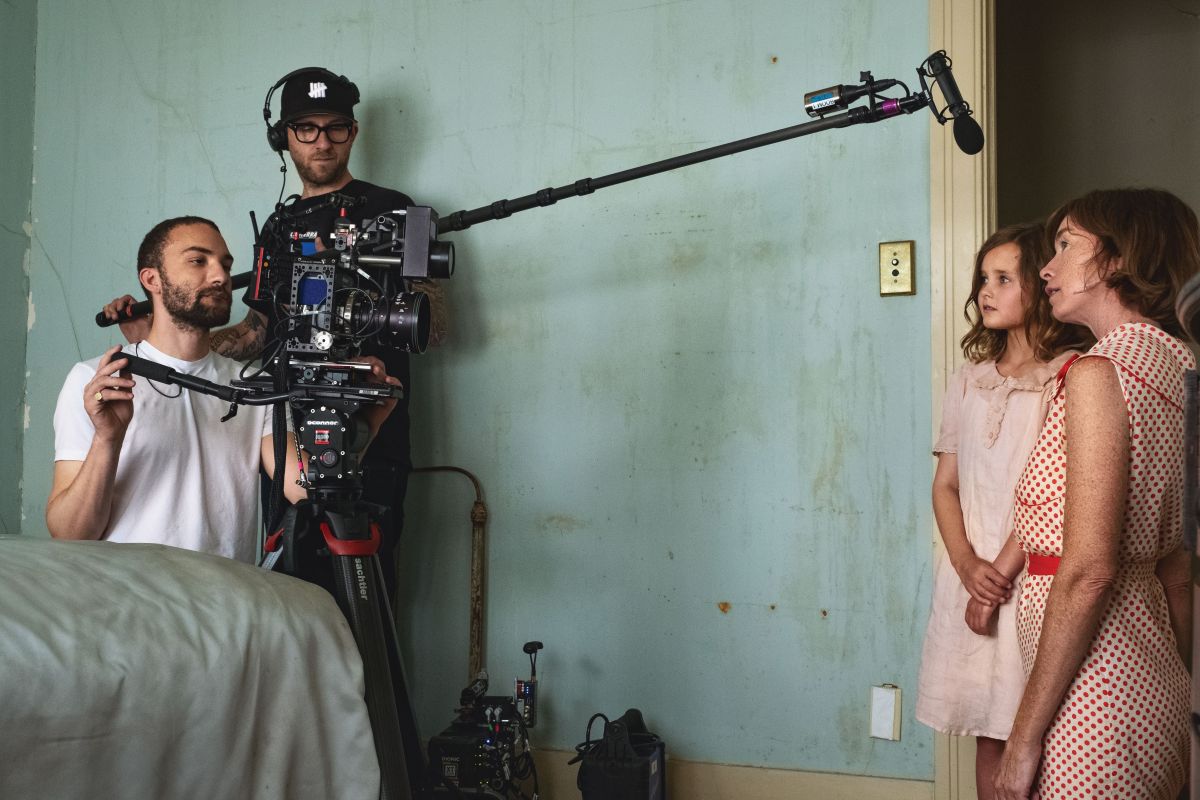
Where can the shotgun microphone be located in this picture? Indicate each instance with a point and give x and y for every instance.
(967, 133)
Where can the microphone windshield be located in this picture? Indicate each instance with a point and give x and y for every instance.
(967, 134)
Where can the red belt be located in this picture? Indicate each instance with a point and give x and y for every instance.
(1043, 565)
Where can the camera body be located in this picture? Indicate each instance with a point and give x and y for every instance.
(329, 300)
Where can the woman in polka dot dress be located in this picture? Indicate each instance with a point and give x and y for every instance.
(1104, 619)
(971, 676)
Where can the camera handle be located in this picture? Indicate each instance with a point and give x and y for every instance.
(141, 309)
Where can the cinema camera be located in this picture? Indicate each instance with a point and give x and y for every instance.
(331, 301)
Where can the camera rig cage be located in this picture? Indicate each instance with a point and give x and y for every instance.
(329, 301)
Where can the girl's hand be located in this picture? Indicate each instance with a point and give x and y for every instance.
(982, 581)
(980, 616)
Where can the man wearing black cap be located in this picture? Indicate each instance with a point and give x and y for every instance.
(317, 127)
(317, 119)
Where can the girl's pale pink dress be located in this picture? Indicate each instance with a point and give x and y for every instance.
(969, 684)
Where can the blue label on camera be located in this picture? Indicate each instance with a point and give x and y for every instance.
(312, 291)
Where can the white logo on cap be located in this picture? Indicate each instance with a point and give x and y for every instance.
(316, 90)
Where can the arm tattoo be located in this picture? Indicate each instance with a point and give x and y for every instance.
(243, 341)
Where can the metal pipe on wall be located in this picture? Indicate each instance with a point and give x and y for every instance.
(479, 516)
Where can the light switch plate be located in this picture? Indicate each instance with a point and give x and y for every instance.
(896, 269)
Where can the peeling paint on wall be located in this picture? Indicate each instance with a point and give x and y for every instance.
(27, 227)
(18, 32)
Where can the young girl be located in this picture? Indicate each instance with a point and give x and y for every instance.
(971, 675)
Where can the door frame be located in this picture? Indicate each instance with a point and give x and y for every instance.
(962, 213)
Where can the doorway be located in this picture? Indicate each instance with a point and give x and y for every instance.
(1094, 94)
(1072, 95)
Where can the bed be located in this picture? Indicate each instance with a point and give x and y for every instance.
(144, 671)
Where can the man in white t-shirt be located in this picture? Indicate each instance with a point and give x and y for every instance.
(136, 461)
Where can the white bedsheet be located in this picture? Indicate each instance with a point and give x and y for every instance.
(143, 671)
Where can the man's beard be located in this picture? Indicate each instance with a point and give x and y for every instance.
(322, 173)
(190, 311)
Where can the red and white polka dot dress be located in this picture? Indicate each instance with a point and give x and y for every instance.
(1121, 731)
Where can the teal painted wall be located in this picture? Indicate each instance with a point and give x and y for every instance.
(678, 393)
(18, 25)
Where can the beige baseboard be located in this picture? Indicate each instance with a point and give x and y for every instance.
(695, 780)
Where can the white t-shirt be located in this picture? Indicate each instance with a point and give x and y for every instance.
(184, 478)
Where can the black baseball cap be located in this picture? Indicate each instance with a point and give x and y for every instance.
(317, 91)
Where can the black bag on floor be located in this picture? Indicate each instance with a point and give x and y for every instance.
(627, 762)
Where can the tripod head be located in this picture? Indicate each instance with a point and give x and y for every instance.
(326, 403)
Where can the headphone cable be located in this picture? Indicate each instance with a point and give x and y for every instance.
(283, 181)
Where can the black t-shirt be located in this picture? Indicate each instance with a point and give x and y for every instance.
(391, 444)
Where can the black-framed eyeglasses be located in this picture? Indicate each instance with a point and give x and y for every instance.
(335, 132)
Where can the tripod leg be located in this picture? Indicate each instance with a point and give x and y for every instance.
(418, 771)
(357, 590)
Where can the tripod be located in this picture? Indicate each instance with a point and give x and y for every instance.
(332, 539)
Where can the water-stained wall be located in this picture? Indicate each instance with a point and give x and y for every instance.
(702, 435)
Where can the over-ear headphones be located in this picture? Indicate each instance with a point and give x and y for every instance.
(277, 132)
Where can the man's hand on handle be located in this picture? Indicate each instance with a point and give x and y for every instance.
(134, 330)
(108, 396)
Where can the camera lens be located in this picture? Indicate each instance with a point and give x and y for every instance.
(402, 323)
